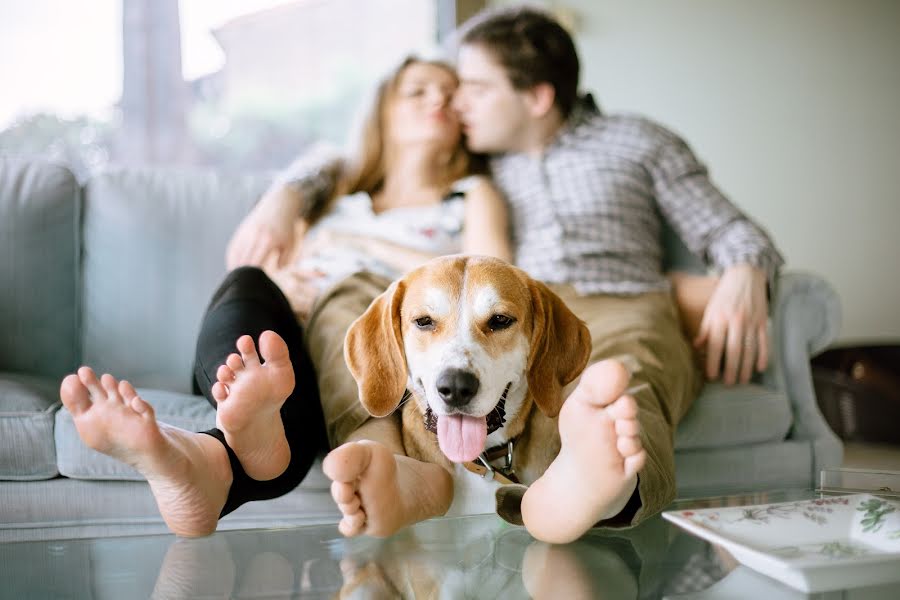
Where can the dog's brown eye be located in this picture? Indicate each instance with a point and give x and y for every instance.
(424, 323)
(500, 322)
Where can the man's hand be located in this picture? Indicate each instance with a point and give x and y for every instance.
(734, 324)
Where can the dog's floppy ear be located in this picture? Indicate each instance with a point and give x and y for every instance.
(560, 348)
(373, 350)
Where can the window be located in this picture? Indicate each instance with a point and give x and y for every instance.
(233, 84)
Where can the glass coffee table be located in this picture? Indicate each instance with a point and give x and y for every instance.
(464, 557)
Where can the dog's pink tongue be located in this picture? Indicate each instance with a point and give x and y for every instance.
(461, 437)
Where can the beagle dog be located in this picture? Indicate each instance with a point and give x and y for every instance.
(484, 352)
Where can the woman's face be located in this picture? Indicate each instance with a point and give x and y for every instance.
(419, 112)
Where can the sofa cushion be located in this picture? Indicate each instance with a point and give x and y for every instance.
(64, 508)
(734, 415)
(27, 407)
(76, 460)
(154, 252)
(39, 212)
(728, 470)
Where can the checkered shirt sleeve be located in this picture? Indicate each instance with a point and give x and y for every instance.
(589, 210)
(710, 225)
(314, 174)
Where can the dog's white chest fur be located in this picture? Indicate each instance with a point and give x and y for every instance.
(472, 493)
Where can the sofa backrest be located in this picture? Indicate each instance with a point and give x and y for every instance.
(153, 253)
(39, 214)
(152, 249)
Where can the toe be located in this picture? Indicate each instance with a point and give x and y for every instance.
(605, 381)
(634, 464)
(126, 390)
(111, 386)
(625, 407)
(248, 350)
(627, 427)
(343, 493)
(142, 407)
(90, 381)
(348, 508)
(219, 391)
(74, 395)
(357, 520)
(346, 463)
(225, 374)
(234, 362)
(272, 347)
(629, 446)
(352, 525)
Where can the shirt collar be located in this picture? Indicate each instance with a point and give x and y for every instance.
(584, 110)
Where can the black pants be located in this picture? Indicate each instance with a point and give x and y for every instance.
(248, 302)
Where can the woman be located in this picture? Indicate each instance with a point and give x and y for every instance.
(407, 183)
(398, 204)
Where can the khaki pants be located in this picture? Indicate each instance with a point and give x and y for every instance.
(329, 321)
(643, 332)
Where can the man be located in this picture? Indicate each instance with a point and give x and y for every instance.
(586, 192)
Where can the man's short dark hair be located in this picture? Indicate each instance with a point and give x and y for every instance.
(531, 46)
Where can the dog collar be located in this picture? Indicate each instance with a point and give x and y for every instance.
(503, 474)
(495, 419)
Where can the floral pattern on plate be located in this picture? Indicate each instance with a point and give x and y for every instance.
(816, 511)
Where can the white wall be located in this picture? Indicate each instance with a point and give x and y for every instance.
(795, 107)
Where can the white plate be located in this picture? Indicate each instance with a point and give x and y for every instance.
(811, 545)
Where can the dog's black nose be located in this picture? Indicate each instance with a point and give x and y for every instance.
(456, 387)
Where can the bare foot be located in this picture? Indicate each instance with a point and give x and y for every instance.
(380, 492)
(189, 473)
(250, 394)
(596, 470)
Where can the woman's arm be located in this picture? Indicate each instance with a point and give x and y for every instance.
(268, 232)
(486, 229)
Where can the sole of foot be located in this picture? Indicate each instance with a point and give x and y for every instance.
(379, 492)
(250, 392)
(189, 473)
(596, 470)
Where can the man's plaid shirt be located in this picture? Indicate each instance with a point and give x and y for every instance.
(589, 210)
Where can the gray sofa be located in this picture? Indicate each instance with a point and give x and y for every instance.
(116, 274)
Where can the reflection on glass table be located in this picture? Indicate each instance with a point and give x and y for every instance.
(464, 557)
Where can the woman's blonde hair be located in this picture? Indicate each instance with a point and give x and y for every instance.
(365, 171)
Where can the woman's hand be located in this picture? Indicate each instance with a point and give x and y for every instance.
(257, 242)
(269, 234)
(734, 325)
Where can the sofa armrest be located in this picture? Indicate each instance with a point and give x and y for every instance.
(806, 317)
